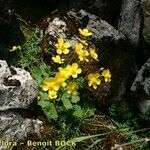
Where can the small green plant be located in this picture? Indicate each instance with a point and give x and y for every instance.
(63, 87)
(68, 103)
(28, 54)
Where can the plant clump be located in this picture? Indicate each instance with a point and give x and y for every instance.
(69, 61)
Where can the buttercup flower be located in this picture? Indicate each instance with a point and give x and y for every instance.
(93, 54)
(50, 84)
(52, 94)
(85, 32)
(94, 80)
(58, 59)
(65, 71)
(74, 70)
(72, 88)
(14, 48)
(82, 54)
(107, 75)
(78, 47)
(62, 47)
(60, 79)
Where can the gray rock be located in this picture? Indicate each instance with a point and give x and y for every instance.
(4, 71)
(66, 26)
(145, 5)
(60, 25)
(17, 87)
(14, 127)
(130, 21)
(141, 90)
(101, 29)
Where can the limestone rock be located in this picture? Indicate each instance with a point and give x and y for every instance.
(109, 43)
(130, 21)
(141, 90)
(101, 30)
(14, 127)
(17, 87)
(145, 4)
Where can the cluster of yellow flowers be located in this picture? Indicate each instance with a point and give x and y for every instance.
(62, 47)
(61, 78)
(53, 84)
(94, 78)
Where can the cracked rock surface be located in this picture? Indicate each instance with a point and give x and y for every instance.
(17, 87)
(100, 28)
(145, 5)
(141, 90)
(17, 91)
(130, 21)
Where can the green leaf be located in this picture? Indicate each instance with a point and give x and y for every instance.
(81, 82)
(44, 104)
(66, 101)
(78, 112)
(43, 95)
(37, 74)
(51, 112)
(48, 107)
(88, 112)
(75, 99)
(45, 70)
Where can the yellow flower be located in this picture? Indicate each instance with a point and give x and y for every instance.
(50, 84)
(107, 75)
(14, 48)
(84, 42)
(94, 80)
(52, 94)
(58, 59)
(60, 79)
(93, 54)
(74, 70)
(85, 32)
(82, 54)
(72, 88)
(62, 47)
(78, 47)
(65, 71)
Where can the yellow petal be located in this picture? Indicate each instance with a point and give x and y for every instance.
(45, 87)
(79, 70)
(66, 51)
(81, 58)
(67, 45)
(98, 82)
(95, 86)
(75, 75)
(59, 51)
(89, 83)
(97, 75)
(60, 41)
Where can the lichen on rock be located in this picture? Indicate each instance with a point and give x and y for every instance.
(16, 90)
